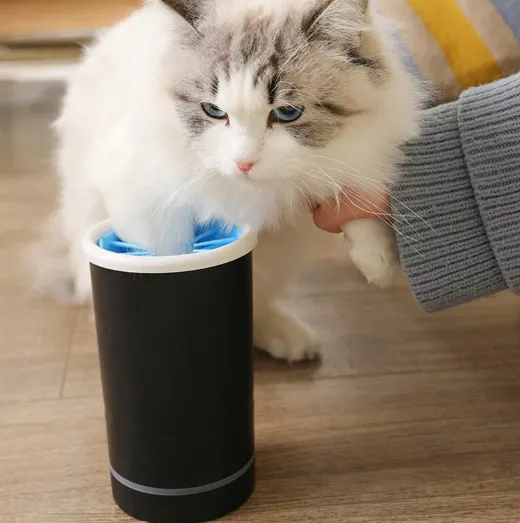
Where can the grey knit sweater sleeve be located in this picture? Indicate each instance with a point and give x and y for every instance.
(456, 204)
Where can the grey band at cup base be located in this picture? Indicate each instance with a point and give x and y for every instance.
(176, 492)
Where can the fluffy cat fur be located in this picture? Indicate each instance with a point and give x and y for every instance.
(136, 146)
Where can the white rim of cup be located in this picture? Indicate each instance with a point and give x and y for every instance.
(164, 264)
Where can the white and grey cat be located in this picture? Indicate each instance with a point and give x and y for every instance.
(242, 110)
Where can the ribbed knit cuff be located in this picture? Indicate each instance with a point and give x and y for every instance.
(489, 123)
(442, 241)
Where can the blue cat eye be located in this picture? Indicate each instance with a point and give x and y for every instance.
(288, 113)
(213, 111)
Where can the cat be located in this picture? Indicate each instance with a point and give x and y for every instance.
(244, 110)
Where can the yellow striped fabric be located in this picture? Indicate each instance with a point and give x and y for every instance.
(457, 44)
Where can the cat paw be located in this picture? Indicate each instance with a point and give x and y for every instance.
(379, 266)
(285, 337)
(372, 248)
(51, 276)
(82, 286)
(68, 290)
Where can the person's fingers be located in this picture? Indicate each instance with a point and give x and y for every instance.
(330, 219)
(357, 206)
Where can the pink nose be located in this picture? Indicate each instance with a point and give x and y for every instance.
(245, 167)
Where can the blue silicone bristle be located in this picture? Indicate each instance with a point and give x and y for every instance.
(208, 236)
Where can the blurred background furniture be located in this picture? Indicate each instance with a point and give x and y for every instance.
(53, 31)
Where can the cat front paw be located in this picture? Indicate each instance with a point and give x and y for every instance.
(76, 289)
(372, 248)
(380, 266)
(51, 275)
(285, 337)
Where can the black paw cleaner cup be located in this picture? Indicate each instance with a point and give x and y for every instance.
(175, 349)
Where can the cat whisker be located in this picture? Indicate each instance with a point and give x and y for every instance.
(301, 191)
(369, 209)
(390, 224)
(341, 192)
(371, 187)
(376, 184)
(399, 218)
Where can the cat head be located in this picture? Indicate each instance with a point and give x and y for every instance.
(264, 89)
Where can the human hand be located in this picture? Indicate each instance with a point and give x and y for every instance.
(354, 205)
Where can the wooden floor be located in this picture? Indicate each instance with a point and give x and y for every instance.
(409, 418)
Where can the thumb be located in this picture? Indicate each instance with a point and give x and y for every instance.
(331, 217)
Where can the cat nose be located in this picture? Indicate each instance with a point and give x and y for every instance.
(245, 167)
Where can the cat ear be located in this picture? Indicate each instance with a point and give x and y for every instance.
(191, 10)
(338, 10)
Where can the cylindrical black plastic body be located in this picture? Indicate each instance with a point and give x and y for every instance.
(176, 364)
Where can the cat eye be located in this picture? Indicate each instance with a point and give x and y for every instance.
(286, 114)
(213, 111)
